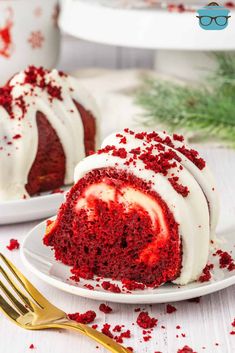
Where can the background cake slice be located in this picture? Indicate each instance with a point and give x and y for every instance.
(47, 125)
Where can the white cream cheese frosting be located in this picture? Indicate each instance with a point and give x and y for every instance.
(196, 214)
(18, 155)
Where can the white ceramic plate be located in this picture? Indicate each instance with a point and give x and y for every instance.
(37, 207)
(40, 260)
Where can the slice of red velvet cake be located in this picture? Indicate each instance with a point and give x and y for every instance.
(144, 208)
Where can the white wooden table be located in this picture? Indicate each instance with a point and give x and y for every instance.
(204, 324)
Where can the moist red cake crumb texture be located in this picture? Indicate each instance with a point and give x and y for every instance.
(105, 308)
(32, 346)
(115, 242)
(145, 321)
(13, 245)
(85, 318)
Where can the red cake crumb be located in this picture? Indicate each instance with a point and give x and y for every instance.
(183, 190)
(226, 260)
(126, 334)
(178, 327)
(16, 137)
(117, 328)
(85, 318)
(183, 334)
(194, 300)
(170, 309)
(94, 326)
(83, 272)
(186, 349)
(132, 285)
(137, 310)
(233, 323)
(130, 349)
(32, 346)
(105, 308)
(89, 286)
(106, 330)
(206, 276)
(13, 245)
(178, 137)
(147, 338)
(111, 287)
(145, 321)
(232, 333)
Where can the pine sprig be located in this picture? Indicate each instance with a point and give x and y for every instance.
(208, 110)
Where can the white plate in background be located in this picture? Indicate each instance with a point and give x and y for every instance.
(36, 207)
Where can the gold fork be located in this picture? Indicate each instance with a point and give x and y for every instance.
(32, 311)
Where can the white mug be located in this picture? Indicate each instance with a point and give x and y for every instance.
(29, 35)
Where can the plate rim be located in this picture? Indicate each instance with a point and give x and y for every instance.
(124, 298)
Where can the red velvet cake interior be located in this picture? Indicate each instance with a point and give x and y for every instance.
(114, 225)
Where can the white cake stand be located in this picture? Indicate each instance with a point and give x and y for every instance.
(177, 38)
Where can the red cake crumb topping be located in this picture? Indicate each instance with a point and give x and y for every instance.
(111, 287)
(36, 76)
(170, 309)
(32, 346)
(191, 154)
(132, 285)
(85, 318)
(105, 308)
(145, 321)
(13, 245)
(178, 327)
(206, 274)
(183, 190)
(106, 330)
(186, 349)
(233, 323)
(232, 333)
(94, 326)
(6, 99)
(226, 260)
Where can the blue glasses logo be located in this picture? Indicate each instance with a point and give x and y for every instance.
(213, 17)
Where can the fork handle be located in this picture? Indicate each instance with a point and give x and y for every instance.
(99, 337)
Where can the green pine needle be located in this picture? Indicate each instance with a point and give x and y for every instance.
(208, 110)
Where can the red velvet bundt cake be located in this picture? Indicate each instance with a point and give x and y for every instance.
(143, 209)
(47, 126)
